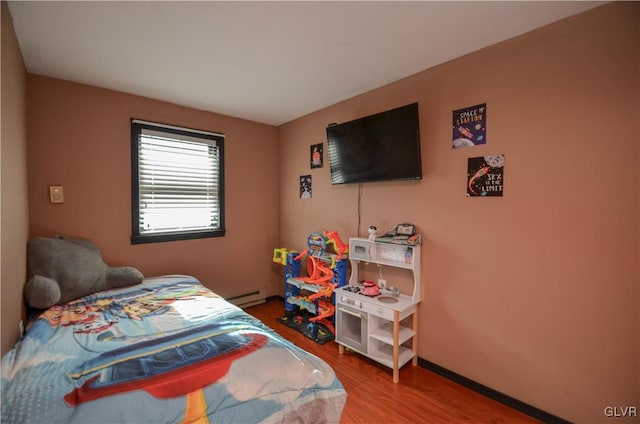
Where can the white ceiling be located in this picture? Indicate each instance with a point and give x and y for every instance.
(265, 61)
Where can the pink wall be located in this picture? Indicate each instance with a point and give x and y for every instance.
(15, 209)
(534, 294)
(79, 137)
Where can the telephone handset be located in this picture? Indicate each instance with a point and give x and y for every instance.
(402, 231)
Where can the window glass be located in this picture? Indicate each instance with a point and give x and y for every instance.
(177, 183)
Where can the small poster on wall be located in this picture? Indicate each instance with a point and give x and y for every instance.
(305, 186)
(470, 126)
(316, 156)
(485, 176)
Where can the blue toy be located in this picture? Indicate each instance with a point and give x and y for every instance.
(309, 301)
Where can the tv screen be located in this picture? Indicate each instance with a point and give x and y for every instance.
(380, 147)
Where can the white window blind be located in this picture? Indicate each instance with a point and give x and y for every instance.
(179, 187)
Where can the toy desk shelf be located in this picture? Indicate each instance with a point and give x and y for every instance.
(384, 335)
(405, 256)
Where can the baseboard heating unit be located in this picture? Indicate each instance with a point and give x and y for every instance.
(249, 299)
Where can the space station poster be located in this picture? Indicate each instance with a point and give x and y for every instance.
(470, 126)
(485, 176)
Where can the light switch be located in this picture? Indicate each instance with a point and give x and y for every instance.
(56, 194)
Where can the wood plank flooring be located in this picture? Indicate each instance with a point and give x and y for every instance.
(421, 396)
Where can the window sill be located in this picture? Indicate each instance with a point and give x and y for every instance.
(163, 237)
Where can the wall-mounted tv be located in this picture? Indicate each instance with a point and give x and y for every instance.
(380, 147)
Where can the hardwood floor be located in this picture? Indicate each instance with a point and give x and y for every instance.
(421, 396)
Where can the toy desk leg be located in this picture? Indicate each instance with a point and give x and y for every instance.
(396, 346)
(414, 342)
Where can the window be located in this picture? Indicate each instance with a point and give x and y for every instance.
(177, 183)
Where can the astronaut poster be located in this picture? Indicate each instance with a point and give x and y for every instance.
(305, 186)
(485, 176)
(470, 126)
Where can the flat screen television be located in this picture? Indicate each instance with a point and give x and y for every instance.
(380, 147)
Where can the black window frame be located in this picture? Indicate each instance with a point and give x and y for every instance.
(137, 126)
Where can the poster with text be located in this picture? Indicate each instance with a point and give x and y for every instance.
(305, 186)
(485, 176)
(316, 156)
(470, 126)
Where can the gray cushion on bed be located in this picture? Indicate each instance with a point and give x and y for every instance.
(60, 269)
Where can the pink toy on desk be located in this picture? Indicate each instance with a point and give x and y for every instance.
(369, 288)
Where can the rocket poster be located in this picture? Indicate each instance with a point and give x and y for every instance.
(470, 126)
(485, 176)
(316, 156)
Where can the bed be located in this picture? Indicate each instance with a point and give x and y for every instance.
(166, 350)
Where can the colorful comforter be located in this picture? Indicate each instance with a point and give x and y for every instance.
(167, 350)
